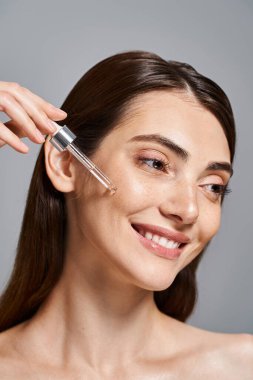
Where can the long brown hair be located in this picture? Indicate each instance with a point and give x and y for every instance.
(94, 106)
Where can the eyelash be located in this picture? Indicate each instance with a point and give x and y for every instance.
(221, 190)
(144, 160)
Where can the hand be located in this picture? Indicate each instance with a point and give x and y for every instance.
(29, 116)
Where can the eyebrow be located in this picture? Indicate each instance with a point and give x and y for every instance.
(179, 151)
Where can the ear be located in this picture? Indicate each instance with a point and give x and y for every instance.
(60, 168)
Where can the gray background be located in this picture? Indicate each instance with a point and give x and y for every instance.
(46, 46)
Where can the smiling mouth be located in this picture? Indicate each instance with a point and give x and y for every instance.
(160, 245)
(158, 238)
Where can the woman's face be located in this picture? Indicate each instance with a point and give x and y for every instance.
(157, 185)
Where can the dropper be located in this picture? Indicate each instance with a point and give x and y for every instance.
(62, 139)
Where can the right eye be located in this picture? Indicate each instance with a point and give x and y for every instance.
(154, 163)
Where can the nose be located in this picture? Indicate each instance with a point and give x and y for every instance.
(181, 204)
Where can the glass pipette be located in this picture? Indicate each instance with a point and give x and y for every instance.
(62, 139)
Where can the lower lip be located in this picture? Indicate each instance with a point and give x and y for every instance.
(168, 253)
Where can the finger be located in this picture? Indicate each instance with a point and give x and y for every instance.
(23, 95)
(2, 143)
(50, 110)
(8, 137)
(13, 109)
(14, 127)
(37, 112)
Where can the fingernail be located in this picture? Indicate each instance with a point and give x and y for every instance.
(51, 126)
(59, 110)
(63, 112)
(39, 136)
(23, 146)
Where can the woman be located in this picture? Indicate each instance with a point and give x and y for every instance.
(102, 285)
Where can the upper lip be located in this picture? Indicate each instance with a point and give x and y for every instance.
(161, 231)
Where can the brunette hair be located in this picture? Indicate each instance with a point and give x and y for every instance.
(94, 106)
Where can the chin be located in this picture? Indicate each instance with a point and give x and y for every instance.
(156, 283)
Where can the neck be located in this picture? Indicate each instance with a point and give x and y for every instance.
(96, 315)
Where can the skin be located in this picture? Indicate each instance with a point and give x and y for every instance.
(100, 321)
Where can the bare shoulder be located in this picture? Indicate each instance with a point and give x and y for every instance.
(201, 354)
(240, 351)
(225, 355)
(236, 355)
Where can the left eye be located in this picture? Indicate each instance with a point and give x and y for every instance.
(218, 190)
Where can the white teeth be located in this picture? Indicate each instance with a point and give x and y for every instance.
(161, 240)
(156, 238)
(148, 235)
(172, 244)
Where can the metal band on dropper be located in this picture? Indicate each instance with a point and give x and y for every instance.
(63, 138)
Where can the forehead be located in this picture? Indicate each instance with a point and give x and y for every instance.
(178, 117)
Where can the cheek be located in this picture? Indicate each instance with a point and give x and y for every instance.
(97, 212)
(207, 226)
(209, 223)
(134, 193)
(134, 190)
